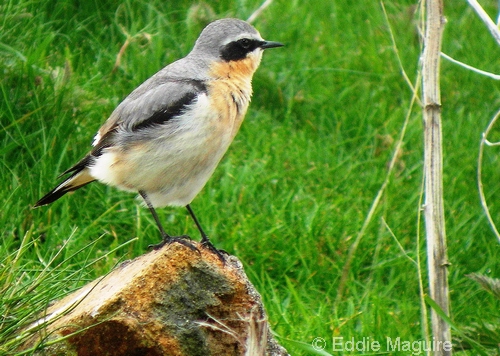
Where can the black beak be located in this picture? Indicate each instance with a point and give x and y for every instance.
(270, 44)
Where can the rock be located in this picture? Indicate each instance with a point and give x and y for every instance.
(171, 301)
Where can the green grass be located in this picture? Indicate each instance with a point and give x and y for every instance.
(295, 187)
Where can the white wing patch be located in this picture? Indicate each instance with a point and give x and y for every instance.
(97, 138)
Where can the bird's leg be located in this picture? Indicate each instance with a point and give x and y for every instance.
(166, 238)
(205, 241)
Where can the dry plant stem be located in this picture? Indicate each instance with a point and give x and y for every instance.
(257, 12)
(369, 217)
(433, 167)
(484, 141)
(495, 32)
(471, 68)
(398, 57)
(492, 27)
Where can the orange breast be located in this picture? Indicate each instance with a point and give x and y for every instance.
(230, 91)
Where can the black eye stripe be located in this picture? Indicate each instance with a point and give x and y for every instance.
(248, 43)
(245, 43)
(236, 50)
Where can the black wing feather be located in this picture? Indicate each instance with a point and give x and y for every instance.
(166, 114)
(191, 88)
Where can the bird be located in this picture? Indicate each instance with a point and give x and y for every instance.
(165, 139)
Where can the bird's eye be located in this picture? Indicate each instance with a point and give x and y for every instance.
(245, 43)
(239, 49)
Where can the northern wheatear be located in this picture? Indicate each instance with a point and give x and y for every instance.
(166, 138)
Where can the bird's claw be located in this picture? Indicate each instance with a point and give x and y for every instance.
(167, 240)
(205, 242)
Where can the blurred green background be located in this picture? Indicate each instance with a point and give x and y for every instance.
(294, 189)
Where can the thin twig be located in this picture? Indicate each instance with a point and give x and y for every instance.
(492, 27)
(396, 51)
(353, 248)
(482, 197)
(376, 201)
(471, 68)
(257, 12)
(420, 268)
(398, 243)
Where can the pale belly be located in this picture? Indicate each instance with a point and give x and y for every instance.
(176, 162)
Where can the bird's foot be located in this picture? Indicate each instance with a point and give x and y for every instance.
(205, 242)
(167, 240)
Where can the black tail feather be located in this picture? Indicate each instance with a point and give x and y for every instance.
(50, 197)
(55, 194)
(78, 179)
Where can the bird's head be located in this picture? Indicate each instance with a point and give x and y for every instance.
(232, 41)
